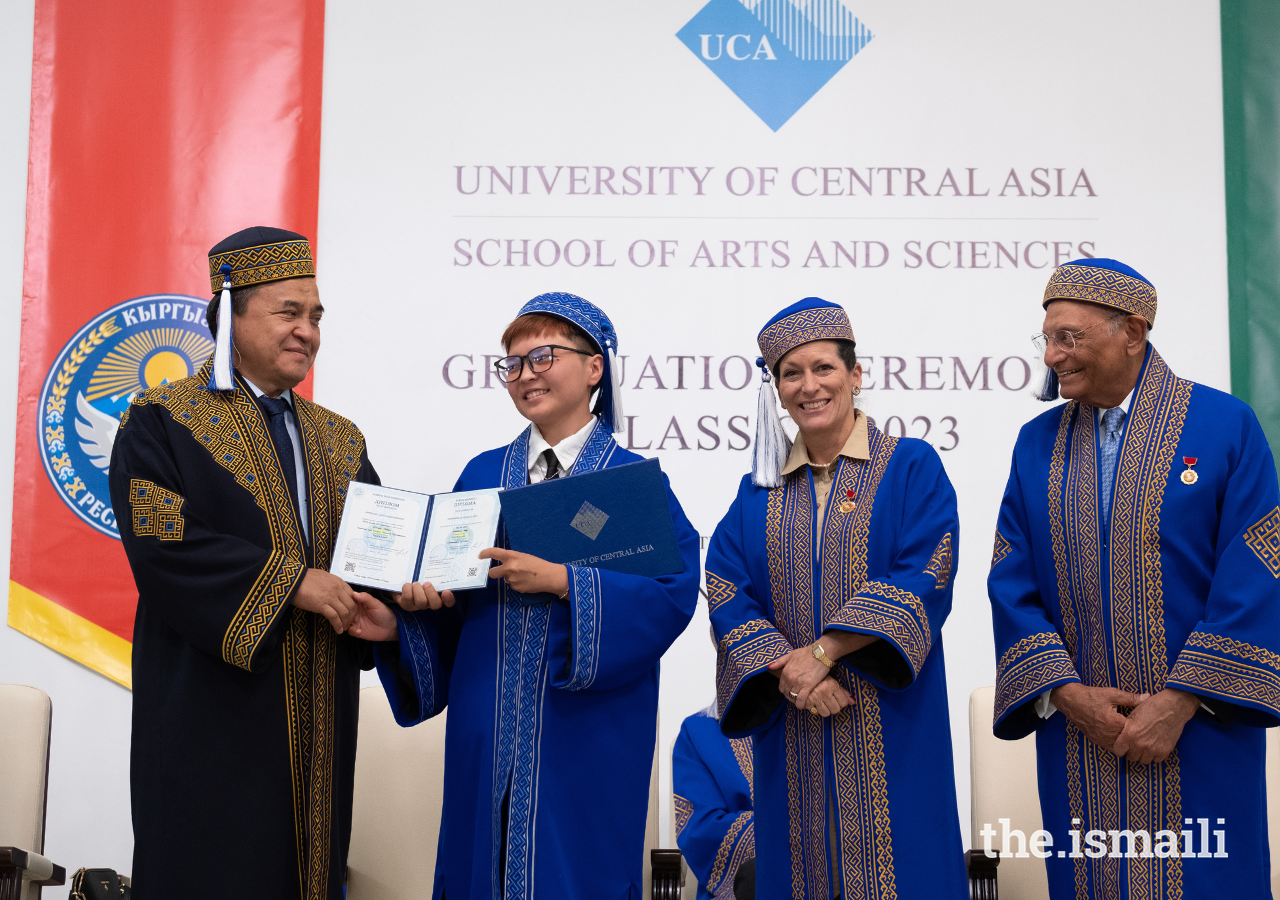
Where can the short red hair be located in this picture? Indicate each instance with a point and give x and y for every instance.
(536, 323)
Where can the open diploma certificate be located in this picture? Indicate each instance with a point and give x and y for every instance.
(389, 537)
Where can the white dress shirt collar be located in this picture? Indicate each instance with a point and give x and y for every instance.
(566, 451)
(1125, 404)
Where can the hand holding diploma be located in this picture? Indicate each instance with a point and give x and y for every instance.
(421, 595)
(526, 573)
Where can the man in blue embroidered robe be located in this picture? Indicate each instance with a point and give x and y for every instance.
(711, 781)
(1135, 602)
(550, 674)
(845, 566)
(245, 686)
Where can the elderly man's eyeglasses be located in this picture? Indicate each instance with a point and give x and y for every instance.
(1065, 339)
(540, 359)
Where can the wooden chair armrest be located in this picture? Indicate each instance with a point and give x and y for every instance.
(34, 867)
(668, 874)
(982, 875)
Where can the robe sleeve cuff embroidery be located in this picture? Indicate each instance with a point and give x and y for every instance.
(416, 659)
(1237, 672)
(890, 613)
(744, 653)
(269, 595)
(738, 846)
(1031, 667)
(584, 629)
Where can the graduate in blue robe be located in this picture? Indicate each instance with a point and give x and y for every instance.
(855, 555)
(1136, 561)
(552, 700)
(711, 780)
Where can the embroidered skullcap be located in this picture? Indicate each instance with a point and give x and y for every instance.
(597, 326)
(1107, 282)
(258, 255)
(811, 319)
(253, 256)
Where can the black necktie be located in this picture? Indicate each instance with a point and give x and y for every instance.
(553, 465)
(276, 408)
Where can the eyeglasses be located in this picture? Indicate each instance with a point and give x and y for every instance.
(540, 359)
(1067, 339)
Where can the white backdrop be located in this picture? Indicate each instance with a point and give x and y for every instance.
(431, 110)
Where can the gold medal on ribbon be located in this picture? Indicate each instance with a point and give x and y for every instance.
(1189, 476)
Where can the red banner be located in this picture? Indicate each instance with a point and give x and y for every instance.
(157, 129)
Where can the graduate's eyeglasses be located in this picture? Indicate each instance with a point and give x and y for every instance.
(540, 359)
(1067, 339)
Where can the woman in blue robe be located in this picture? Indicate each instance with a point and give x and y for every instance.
(550, 673)
(829, 580)
(1159, 591)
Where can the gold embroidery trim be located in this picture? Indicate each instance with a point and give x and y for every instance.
(1263, 538)
(156, 512)
(719, 591)
(940, 563)
(743, 651)
(1028, 667)
(684, 812)
(1002, 549)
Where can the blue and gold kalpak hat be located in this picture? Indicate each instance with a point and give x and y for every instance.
(811, 319)
(255, 255)
(1107, 282)
(597, 326)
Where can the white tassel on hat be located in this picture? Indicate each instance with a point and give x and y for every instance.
(223, 377)
(619, 423)
(772, 444)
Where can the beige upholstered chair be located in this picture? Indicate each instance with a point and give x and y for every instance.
(26, 717)
(1003, 785)
(1273, 805)
(395, 822)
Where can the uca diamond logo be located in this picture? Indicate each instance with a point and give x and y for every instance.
(775, 54)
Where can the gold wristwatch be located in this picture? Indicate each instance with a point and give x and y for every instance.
(820, 655)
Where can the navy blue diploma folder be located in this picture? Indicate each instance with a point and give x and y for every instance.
(615, 519)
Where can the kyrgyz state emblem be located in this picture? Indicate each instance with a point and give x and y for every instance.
(134, 345)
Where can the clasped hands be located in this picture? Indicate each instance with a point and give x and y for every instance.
(374, 620)
(1148, 734)
(807, 682)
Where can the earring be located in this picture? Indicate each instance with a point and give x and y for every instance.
(857, 391)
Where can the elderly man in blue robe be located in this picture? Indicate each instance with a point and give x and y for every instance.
(1134, 595)
(550, 674)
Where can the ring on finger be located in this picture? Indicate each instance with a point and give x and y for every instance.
(793, 694)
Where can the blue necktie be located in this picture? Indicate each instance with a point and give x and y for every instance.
(276, 408)
(1112, 426)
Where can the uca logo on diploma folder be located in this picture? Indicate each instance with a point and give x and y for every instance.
(775, 54)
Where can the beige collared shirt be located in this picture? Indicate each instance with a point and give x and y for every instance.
(856, 447)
